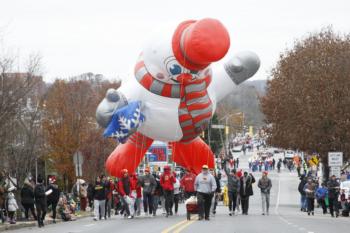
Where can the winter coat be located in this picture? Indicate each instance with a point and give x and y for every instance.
(11, 203)
(187, 182)
(233, 182)
(301, 187)
(124, 186)
(265, 185)
(55, 195)
(148, 183)
(321, 193)
(205, 183)
(99, 191)
(39, 194)
(333, 189)
(310, 190)
(27, 195)
(167, 181)
(246, 189)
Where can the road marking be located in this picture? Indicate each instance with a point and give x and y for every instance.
(301, 229)
(178, 230)
(89, 225)
(278, 194)
(167, 230)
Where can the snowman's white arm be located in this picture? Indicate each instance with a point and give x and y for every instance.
(232, 73)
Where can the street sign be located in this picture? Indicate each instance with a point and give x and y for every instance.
(78, 158)
(335, 159)
(335, 171)
(218, 126)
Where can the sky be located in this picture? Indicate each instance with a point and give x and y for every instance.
(106, 36)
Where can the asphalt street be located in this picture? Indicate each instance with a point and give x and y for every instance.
(285, 216)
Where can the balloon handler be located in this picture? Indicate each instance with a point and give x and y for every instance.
(173, 95)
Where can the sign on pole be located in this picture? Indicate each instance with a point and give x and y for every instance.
(218, 126)
(78, 161)
(78, 170)
(335, 171)
(335, 159)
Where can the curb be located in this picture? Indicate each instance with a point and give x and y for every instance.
(20, 225)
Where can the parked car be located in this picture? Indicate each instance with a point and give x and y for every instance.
(289, 154)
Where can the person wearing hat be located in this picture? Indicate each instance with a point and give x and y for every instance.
(148, 184)
(126, 187)
(246, 190)
(40, 200)
(53, 198)
(333, 194)
(265, 186)
(167, 181)
(310, 188)
(205, 186)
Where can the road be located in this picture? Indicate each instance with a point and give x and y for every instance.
(284, 217)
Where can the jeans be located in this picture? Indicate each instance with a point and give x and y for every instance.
(323, 205)
(169, 199)
(333, 205)
(108, 207)
(176, 201)
(99, 207)
(204, 203)
(54, 206)
(265, 201)
(245, 204)
(310, 204)
(41, 211)
(28, 207)
(137, 206)
(232, 201)
(155, 204)
(303, 202)
(148, 202)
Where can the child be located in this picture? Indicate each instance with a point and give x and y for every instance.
(12, 207)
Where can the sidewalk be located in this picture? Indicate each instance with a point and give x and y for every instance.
(48, 220)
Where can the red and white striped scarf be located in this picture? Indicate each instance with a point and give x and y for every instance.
(195, 107)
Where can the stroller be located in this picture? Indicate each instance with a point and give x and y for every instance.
(191, 207)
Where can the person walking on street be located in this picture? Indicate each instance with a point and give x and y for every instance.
(214, 202)
(303, 200)
(176, 195)
(158, 192)
(167, 181)
(109, 186)
(127, 190)
(246, 190)
(265, 186)
(233, 185)
(205, 186)
(333, 194)
(53, 198)
(321, 194)
(310, 188)
(40, 201)
(148, 184)
(27, 199)
(187, 184)
(99, 196)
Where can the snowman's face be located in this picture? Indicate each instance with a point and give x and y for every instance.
(161, 63)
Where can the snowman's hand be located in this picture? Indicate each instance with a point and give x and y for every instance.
(112, 102)
(242, 66)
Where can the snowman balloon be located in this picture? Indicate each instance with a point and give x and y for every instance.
(173, 95)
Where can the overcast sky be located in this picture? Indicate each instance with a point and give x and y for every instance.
(106, 36)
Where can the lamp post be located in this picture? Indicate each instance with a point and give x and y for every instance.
(226, 117)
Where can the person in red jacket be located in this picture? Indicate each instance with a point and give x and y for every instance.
(127, 189)
(187, 184)
(167, 181)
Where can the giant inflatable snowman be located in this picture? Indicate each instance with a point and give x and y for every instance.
(173, 95)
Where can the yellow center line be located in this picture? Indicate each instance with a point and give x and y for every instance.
(178, 230)
(167, 230)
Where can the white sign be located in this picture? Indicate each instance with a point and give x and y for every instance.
(78, 158)
(335, 171)
(335, 159)
(78, 170)
(218, 126)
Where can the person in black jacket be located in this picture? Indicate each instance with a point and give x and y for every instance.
(246, 190)
(333, 194)
(99, 195)
(303, 200)
(27, 199)
(215, 199)
(40, 201)
(53, 198)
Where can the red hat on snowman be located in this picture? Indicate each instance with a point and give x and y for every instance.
(196, 44)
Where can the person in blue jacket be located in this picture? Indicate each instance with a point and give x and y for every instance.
(321, 195)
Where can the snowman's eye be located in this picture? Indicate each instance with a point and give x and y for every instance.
(173, 68)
